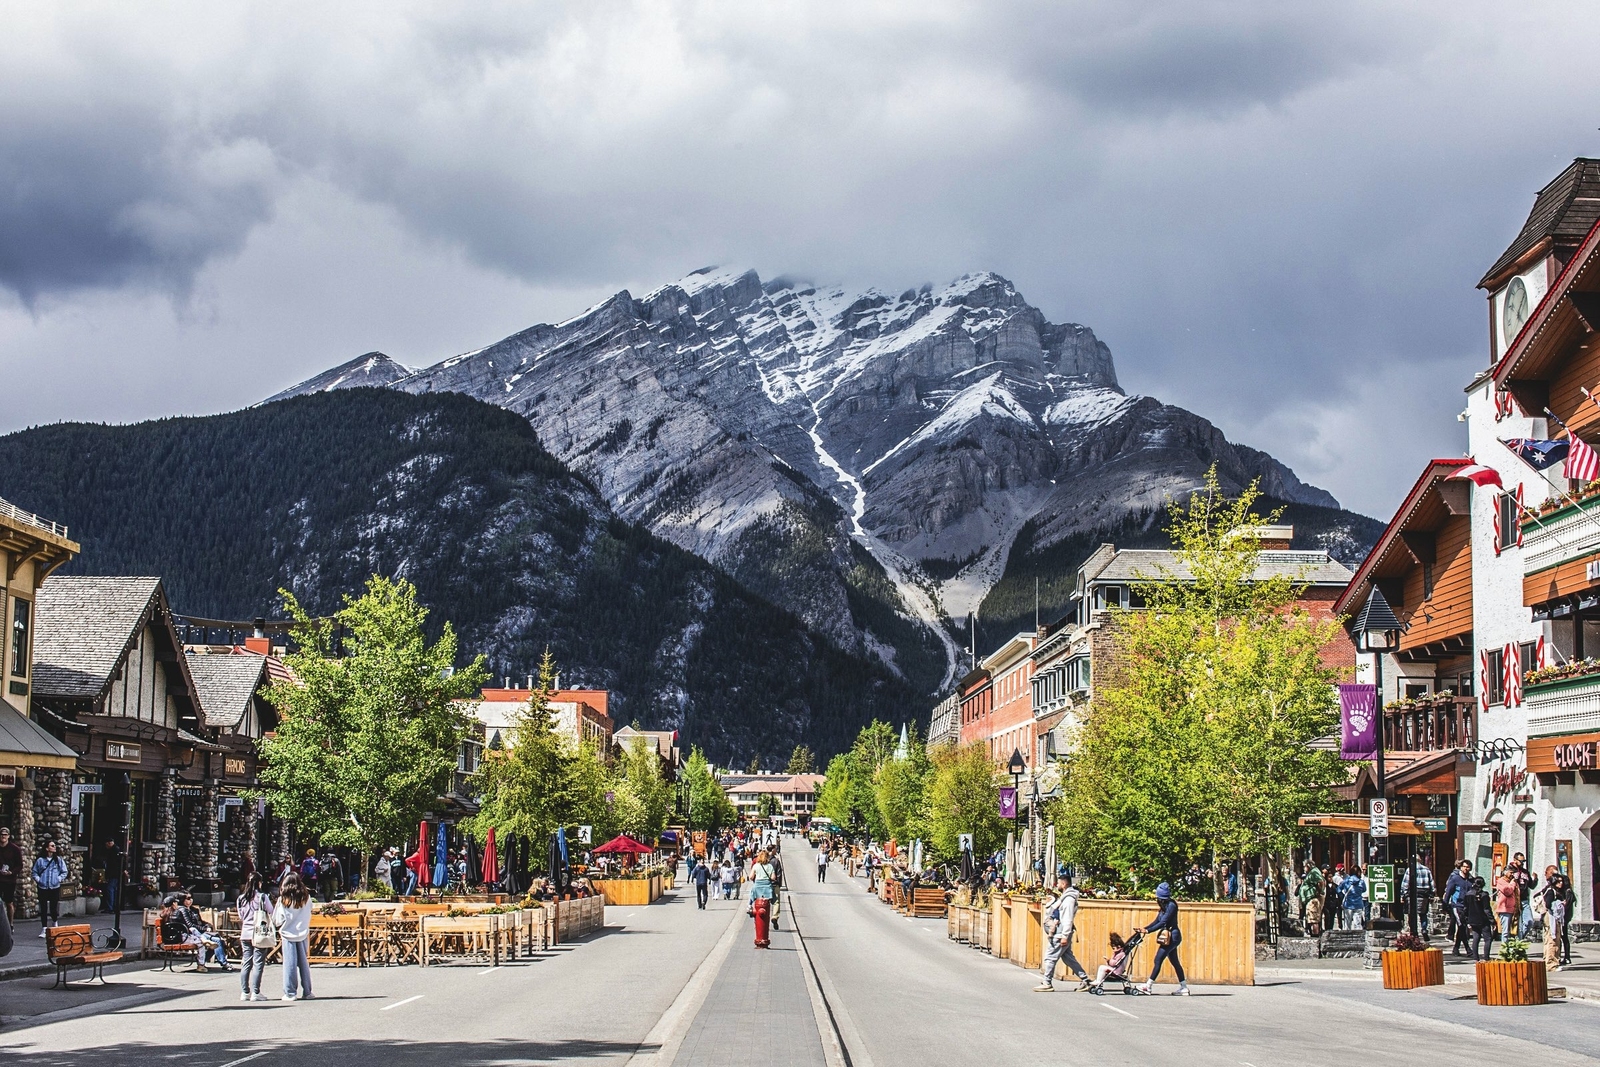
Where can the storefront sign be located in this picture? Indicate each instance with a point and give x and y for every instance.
(1436, 826)
(1564, 755)
(83, 789)
(1575, 756)
(122, 752)
(1506, 781)
(233, 766)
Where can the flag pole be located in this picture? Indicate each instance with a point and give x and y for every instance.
(1563, 493)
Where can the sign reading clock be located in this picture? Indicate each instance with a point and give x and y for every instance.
(1514, 310)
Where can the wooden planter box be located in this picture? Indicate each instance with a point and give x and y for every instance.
(1407, 969)
(629, 892)
(981, 920)
(1505, 984)
(462, 937)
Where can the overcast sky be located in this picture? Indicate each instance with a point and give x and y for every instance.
(1275, 214)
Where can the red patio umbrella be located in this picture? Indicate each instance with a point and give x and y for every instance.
(625, 844)
(418, 860)
(491, 861)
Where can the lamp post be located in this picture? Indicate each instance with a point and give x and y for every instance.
(1377, 632)
(1017, 768)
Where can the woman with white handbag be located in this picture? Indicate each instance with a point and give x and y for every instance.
(256, 937)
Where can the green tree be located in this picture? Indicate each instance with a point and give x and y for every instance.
(1198, 741)
(768, 805)
(588, 781)
(874, 746)
(526, 789)
(643, 797)
(963, 797)
(709, 806)
(801, 761)
(754, 766)
(833, 799)
(367, 741)
(900, 788)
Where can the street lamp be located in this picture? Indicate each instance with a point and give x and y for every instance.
(1377, 632)
(1017, 768)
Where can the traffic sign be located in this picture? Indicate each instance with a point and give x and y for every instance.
(1380, 883)
(1380, 817)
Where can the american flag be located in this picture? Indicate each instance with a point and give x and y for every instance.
(1583, 463)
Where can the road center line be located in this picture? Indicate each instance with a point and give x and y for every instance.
(246, 1059)
(398, 1003)
(1118, 1010)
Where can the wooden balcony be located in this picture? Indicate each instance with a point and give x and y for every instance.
(1434, 725)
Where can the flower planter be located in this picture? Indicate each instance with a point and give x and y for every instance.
(91, 905)
(1504, 984)
(1408, 969)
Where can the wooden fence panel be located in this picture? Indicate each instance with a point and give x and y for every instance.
(1218, 939)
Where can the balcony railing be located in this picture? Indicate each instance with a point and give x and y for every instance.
(1563, 705)
(1431, 725)
(1566, 533)
(28, 518)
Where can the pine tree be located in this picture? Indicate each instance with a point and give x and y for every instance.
(801, 761)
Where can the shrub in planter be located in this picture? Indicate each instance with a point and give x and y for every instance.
(1513, 980)
(1411, 963)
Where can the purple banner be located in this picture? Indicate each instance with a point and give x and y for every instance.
(1358, 721)
(1008, 802)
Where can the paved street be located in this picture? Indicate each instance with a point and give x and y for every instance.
(670, 984)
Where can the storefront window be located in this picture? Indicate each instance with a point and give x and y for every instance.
(19, 638)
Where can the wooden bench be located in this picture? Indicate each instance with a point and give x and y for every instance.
(71, 946)
(167, 952)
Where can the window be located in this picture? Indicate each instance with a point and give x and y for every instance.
(1464, 684)
(19, 638)
(1427, 581)
(1528, 656)
(1077, 674)
(1496, 669)
(1109, 596)
(1414, 690)
(1508, 520)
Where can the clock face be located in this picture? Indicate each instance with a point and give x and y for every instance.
(1515, 309)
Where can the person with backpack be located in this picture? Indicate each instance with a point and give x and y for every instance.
(701, 877)
(1310, 894)
(1477, 911)
(1168, 938)
(1060, 917)
(1455, 888)
(1353, 904)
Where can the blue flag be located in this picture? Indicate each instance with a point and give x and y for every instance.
(1537, 454)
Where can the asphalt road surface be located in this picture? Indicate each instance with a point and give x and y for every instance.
(858, 986)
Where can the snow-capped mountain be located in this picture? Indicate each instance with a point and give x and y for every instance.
(864, 458)
(373, 369)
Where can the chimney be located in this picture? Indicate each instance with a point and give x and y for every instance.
(258, 644)
(558, 681)
(530, 682)
(261, 628)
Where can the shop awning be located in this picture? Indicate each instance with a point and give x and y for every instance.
(24, 743)
(1360, 824)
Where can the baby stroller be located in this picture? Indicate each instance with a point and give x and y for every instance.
(1119, 973)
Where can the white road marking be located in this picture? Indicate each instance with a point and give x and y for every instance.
(666, 1036)
(1118, 1010)
(1246, 1063)
(489, 970)
(398, 1003)
(246, 1059)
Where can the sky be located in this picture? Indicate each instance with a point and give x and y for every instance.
(1275, 214)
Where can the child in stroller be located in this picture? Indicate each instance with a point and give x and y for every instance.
(1116, 965)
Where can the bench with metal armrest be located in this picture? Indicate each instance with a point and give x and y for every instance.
(72, 946)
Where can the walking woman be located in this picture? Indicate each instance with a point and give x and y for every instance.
(255, 918)
(762, 878)
(292, 917)
(1168, 938)
(49, 872)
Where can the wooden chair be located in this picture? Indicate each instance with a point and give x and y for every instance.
(71, 946)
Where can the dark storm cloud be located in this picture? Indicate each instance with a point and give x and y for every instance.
(1274, 213)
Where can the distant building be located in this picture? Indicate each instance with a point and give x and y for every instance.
(665, 742)
(578, 714)
(945, 726)
(796, 793)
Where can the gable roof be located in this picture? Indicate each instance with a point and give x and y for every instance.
(1563, 213)
(1435, 471)
(84, 627)
(1155, 564)
(225, 684)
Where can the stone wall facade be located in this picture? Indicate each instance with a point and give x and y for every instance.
(23, 834)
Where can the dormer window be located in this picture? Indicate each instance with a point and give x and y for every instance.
(1108, 597)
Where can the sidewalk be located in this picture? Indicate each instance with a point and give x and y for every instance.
(1581, 980)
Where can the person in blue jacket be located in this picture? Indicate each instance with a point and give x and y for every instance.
(1168, 938)
(49, 872)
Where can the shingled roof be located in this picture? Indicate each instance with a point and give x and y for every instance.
(84, 626)
(1157, 564)
(225, 684)
(1563, 211)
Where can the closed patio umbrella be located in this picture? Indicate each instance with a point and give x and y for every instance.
(441, 860)
(417, 862)
(491, 861)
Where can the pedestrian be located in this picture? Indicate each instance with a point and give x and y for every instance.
(1310, 896)
(254, 919)
(6, 942)
(1507, 900)
(701, 876)
(1477, 912)
(822, 862)
(761, 878)
(1354, 903)
(1060, 916)
(10, 869)
(1550, 904)
(1560, 886)
(775, 858)
(1425, 884)
(329, 874)
(1526, 882)
(1168, 938)
(174, 929)
(1455, 889)
(1115, 964)
(730, 878)
(208, 938)
(49, 872)
(381, 871)
(292, 917)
